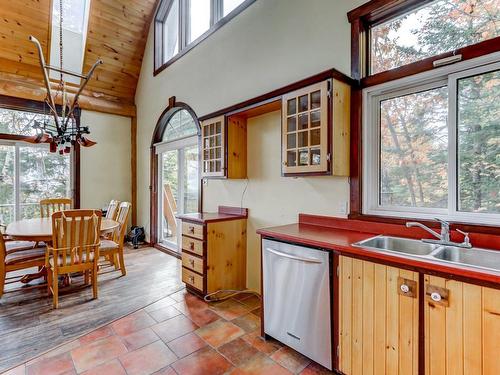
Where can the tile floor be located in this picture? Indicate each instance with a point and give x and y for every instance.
(180, 334)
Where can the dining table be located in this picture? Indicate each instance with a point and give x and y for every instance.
(40, 230)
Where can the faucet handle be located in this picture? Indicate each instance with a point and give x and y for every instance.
(444, 223)
(466, 237)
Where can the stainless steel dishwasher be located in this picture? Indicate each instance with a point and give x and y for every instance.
(297, 292)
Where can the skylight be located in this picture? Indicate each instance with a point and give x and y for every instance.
(75, 21)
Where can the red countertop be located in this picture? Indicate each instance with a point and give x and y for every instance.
(334, 235)
(224, 213)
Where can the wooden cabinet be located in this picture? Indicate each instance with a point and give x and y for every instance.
(378, 319)
(310, 144)
(224, 147)
(214, 254)
(462, 328)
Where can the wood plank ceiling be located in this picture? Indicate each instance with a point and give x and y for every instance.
(117, 34)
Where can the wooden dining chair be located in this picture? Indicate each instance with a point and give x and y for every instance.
(14, 256)
(74, 248)
(49, 206)
(112, 209)
(113, 248)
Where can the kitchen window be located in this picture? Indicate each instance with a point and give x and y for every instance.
(182, 24)
(432, 144)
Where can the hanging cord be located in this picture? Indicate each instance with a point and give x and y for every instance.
(232, 293)
(244, 192)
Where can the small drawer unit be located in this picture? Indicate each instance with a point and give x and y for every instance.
(214, 250)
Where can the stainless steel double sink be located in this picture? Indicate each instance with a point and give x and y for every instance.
(466, 257)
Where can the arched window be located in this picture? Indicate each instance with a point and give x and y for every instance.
(176, 173)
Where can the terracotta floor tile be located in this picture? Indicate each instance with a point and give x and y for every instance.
(166, 371)
(219, 333)
(203, 362)
(260, 364)
(55, 365)
(248, 322)
(19, 370)
(98, 334)
(238, 351)
(164, 313)
(265, 346)
(65, 348)
(252, 302)
(174, 328)
(98, 352)
(316, 369)
(180, 295)
(257, 312)
(139, 339)
(290, 359)
(148, 359)
(186, 345)
(111, 368)
(203, 317)
(191, 304)
(164, 302)
(133, 322)
(229, 309)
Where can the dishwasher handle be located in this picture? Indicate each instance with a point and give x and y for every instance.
(284, 255)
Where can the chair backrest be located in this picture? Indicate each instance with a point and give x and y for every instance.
(122, 218)
(76, 236)
(49, 206)
(112, 209)
(3, 251)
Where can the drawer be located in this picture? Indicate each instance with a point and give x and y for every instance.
(192, 230)
(192, 245)
(192, 262)
(192, 279)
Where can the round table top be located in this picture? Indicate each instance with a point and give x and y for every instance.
(40, 229)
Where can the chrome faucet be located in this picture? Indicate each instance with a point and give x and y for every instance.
(444, 237)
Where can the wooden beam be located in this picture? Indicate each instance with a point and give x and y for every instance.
(133, 166)
(25, 88)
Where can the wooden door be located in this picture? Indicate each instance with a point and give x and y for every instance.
(378, 319)
(213, 145)
(462, 328)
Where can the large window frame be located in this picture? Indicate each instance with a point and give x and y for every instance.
(361, 19)
(372, 97)
(217, 20)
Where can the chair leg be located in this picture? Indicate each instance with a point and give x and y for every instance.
(50, 277)
(115, 261)
(2, 281)
(86, 277)
(94, 281)
(122, 262)
(55, 290)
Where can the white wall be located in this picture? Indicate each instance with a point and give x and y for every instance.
(105, 167)
(269, 45)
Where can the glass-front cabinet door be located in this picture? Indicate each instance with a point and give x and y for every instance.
(305, 141)
(213, 147)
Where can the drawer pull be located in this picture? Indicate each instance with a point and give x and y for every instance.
(191, 279)
(191, 246)
(191, 229)
(191, 262)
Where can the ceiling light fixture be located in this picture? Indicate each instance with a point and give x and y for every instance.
(66, 130)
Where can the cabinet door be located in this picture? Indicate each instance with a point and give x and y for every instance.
(305, 141)
(462, 328)
(213, 147)
(378, 319)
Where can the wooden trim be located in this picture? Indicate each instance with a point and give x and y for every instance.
(377, 11)
(166, 250)
(276, 94)
(133, 167)
(27, 105)
(228, 210)
(172, 108)
(193, 44)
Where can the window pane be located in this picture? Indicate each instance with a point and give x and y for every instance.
(19, 122)
(170, 194)
(191, 179)
(43, 174)
(479, 143)
(180, 125)
(199, 18)
(439, 27)
(171, 32)
(230, 5)
(7, 193)
(414, 150)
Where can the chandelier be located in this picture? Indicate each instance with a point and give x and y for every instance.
(65, 131)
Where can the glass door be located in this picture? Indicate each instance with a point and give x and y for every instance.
(178, 187)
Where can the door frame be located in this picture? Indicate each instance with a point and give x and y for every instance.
(172, 108)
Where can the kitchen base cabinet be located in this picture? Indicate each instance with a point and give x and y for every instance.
(462, 328)
(378, 319)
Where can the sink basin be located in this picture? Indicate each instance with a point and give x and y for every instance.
(399, 245)
(482, 258)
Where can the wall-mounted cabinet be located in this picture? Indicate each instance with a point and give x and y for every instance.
(224, 147)
(310, 144)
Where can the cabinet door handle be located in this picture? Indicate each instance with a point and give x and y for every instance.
(407, 287)
(437, 295)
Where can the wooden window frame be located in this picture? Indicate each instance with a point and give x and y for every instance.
(217, 20)
(361, 19)
(26, 105)
(172, 108)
